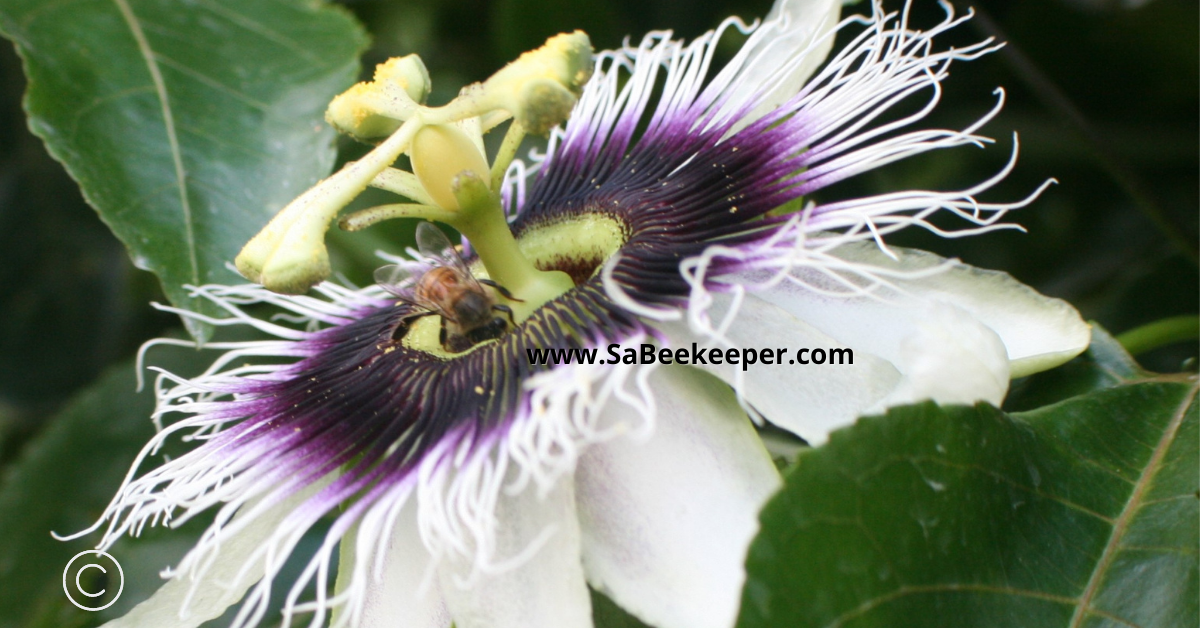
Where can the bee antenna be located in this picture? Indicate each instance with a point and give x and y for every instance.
(501, 289)
(507, 310)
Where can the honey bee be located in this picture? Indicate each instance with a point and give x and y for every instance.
(448, 289)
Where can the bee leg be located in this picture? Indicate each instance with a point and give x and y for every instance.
(507, 310)
(414, 316)
(442, 336)
(404, 323)
(458, 344)
(501, 289)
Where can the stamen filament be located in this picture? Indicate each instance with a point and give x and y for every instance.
(507, 152)
(365, 218)
(289, 254)
(403, 183)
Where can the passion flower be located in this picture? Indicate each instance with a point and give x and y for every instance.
(478, 488)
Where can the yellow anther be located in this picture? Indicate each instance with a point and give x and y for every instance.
(375, 109)
(542, 85)
(407, 73)
(451, 180)
(565, 58)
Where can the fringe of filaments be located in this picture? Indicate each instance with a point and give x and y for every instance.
(455, 487)
(830, 123)
(457, 484)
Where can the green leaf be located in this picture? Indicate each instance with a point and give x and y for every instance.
(62, 483)
(186, 124)
(1081, 514)
(1104, 365)
(606, 613)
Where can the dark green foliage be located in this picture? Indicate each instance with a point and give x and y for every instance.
(187, 126)
(62, 483)
(1082, 513)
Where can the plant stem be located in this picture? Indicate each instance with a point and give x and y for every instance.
(1160, 333)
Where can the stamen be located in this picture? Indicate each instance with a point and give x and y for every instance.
(508, 151)
(403, 183)
(289, 254)
(538, 90)
(362, 219)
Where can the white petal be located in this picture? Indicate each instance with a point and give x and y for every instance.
(407, 595)
(808, 400)
(941, 351)
(792, 43)
(666, 523)
(802, 43)
(218, 590)
(545, 590)
(950, 358)
(1039, 332)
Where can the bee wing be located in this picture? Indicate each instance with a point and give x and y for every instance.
(434, 244)
(396, 279)
(400, 281)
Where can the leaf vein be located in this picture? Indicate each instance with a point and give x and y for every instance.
(96, 103)
(1170, 498)
(900, 592)
(913, 460)
(211, 82)
(216, 140)
(1132, 505)
(1159, 549)
(41, 10)
(160, 86)
(1096, 464)
(265, 32)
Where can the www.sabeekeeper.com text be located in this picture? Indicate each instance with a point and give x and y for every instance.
(696, 355)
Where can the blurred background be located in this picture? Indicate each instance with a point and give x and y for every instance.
(1103, 94)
